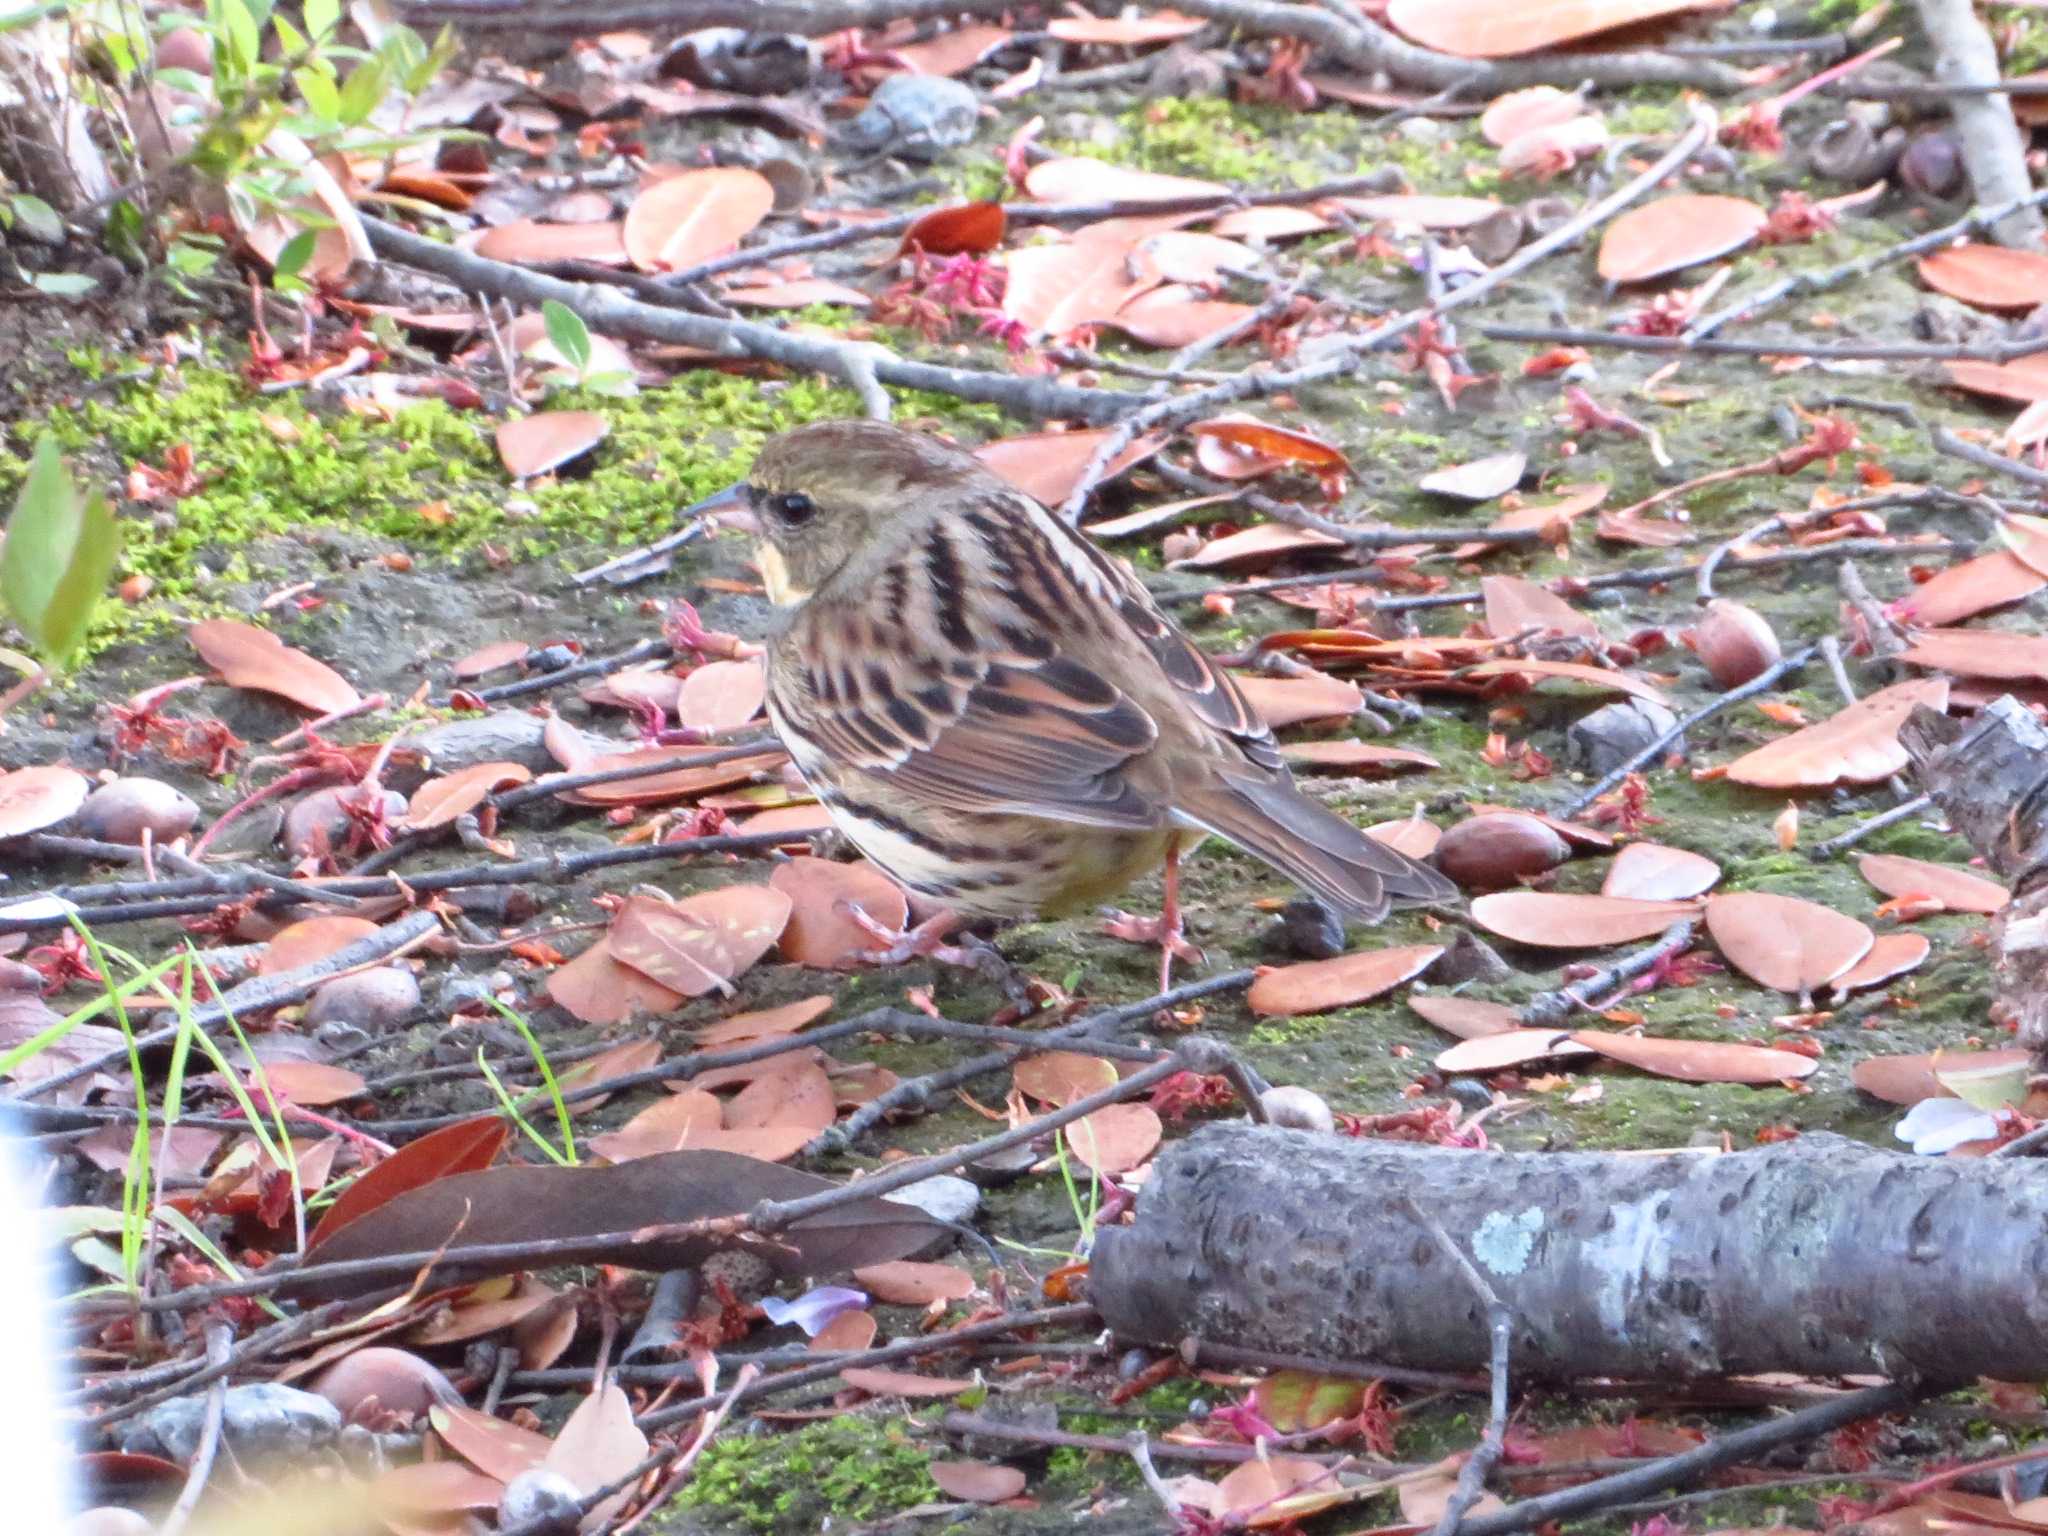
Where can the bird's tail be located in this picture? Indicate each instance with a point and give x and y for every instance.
(1314, 847)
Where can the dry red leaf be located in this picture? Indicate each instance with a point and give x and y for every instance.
(1988, 276)
(438, 802)
(969, 228)
(1422, 210)
(2024, 378)
(1285, 701)
(977, 1482)
(1081, 180)
(1412, 835)
(764, 1023)
(820, 932)
(1557, 517)
(494, 1446)
(1981, 653)
(907, 1283)
(1497, 29)
(952, 52)
(695, 215)
(1049, 465)
(1859, 745)
(1269, 222)
(1960, 890)
(1569, 671)
(597, 989)
(432, 1488)
(310, 939)
(546, 440)
(1698, 1061)
(1057, 288)
(1060, 1077)
(655, 788)
(1508, 1049)
(849, 1330)
(1480, 479)
(1515, 607)
(599, 1444)
(1557, 920)
(1466, 1017)
(248, 657)
(1966, 590)
(1317, 986)
(1125, 31)
(1910, 1078)
(1355, 757)
(488, 658)
(1518, 112)
(887, 1383)
(1115, 1138)
(1278, 1491)
(463, 1147)
(1654, 872)
(798, 1095)
(1785, 942)
(1175, 316)
(1891, 956)
(1675, 232)
(309, 1084)
(41, 796)
(1238, 447)
(701, 942)
(1260, 544)
(721, 695)
(694, 1120)
(526, 240)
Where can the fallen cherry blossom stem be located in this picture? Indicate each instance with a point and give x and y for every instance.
(1801, 283)
(251, 996)
(1552, 1010)
(1763, 682)
(1868, 826)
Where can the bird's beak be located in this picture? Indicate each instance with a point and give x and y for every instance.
(729, 508)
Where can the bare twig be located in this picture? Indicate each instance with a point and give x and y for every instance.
(218, 1337)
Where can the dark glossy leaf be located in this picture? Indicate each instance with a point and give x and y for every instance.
(454, 1149)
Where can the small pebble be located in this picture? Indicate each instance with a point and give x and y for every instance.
(260, 1422)
(916, 117)
(1609, 737)
(1298, 1109)
(375, 1000)
(1308, 928)
(540, 1495)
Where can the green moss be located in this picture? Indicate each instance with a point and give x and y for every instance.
(848, 1470)
(1207, 137)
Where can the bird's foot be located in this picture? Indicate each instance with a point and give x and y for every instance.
(928, 941)
(1164, 930)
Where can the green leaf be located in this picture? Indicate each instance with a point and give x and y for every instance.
(296, 253)
(64, 285)
(316, 89)
(57, 557)
(568, 332)
(362, 93)
(322, 16)
(126, 234)
(289, 37)
(37, 217)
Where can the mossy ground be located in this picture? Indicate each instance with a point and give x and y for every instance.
(305, 491)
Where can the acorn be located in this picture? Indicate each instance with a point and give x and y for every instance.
(1497, 849)
(121, 812)
(1733, 642)
(400, 1382)
(374, 1000)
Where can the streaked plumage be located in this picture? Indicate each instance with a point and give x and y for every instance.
(997, 713)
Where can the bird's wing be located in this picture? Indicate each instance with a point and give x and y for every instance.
(976, 673)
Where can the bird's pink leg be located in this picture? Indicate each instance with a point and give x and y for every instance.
(925, 941)
(1165, 929)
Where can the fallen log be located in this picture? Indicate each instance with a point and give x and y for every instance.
(1820, 1256)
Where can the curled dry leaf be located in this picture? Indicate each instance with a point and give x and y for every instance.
(1497, 29)
(1479, 480)
(494, 1446)
(1518, 112)
(309, 1084)
(1082, 180)
(1993, 653)
(1555, 517)
(438, 802)
(1557, 920)
(1285, 701)
(1860, 745)
(1655, 872)
(1988, 276)
(1057, 288)
(1260, 544)
(1671, 233)
(597, 989)
(489, 658)
(722, 695)
(1175, 316)
(700, 943)
(1960, 890)
(545, 441)
(906, 1283)
(977, 1482)
(1569, 671)
(1698, 1061)
(1515, 606)
(1317, 986)
(1508, 1049)
(691, 217)
(1115, 1138)
(969, 228)
(465, 1147)
(1466, 1017)
(1049, 465)
(1355, 757)
(1785, 942)
(764, 1023)
(1975, 586)
(249, 657)
(310, 939)
(1060, 1077)
(38, 797)
(1891, 956)
(798, 1095)
(1238, 447)
(820, 932)
(882, 1382)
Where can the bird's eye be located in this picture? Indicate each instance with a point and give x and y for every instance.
(793, 508)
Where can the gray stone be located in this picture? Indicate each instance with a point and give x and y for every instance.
(260, 1423)
(943, 1197)
(502, 736)
(541, 1497)
(918, 117)
(1610, 736)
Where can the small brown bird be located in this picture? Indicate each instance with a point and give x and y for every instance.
(997, 713)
